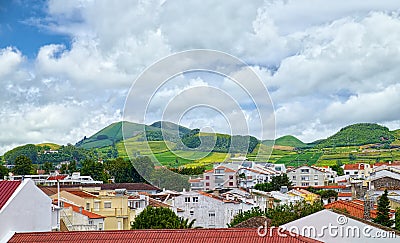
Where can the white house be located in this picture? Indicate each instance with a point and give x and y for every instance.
(359, 170)
(76, 218)
(248, 177)
(308, 176)
(210, 211)
(23, 208)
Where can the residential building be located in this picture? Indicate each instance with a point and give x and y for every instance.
(248, 177)
(239, 235)
(308, 196)
(308, 176)
(219, 177)
(24, 208)
(51, 180)
(384, 179)
(359, 170)
(113, 206)
(209, 211)
(76, 218)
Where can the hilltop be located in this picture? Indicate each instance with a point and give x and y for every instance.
(290, 141)
(359, 134)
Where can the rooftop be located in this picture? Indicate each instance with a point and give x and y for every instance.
(7, 188)
(239, 235)
(354, 208)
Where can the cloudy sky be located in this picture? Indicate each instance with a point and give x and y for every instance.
(66, 67)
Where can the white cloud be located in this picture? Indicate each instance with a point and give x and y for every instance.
(321, 60)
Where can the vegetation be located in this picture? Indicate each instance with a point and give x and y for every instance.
(383, 217)
(275, 185)
(94, 169)
(122, 171)
(290, 141)
(160, 218)
(359, 134)
(280, 214)
(397, 219)
(28, 150)
(23, 166)
(3, 171)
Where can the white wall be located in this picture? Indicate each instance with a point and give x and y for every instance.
(27, 210)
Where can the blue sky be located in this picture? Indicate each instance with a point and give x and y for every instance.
(18, 29)
(66, 67)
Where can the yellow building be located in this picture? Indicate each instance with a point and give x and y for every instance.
(307, 195)
(112, 205)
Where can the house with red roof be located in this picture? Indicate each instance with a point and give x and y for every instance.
(359, 170)
(76, 218)
(24, 208)
(219, 177)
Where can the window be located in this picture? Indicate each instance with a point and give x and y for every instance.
(191, 212)
(90, 222)
(107, 204)
(87, 206)
(195, 199)
(315, 177)
(96, 206)
(231, 183)
(100, 226)
(294, 177)
(305, 170)
(305, 184)
(207, 183)
(230, 177)
(187, 199)
(347, 173)
(207, 177)
(305, 178)
(316, 183)
(219, 171)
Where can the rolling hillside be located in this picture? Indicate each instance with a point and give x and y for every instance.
(113, 134)
(359, 134)
(290, 141)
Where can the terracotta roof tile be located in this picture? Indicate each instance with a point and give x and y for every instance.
(84, 212)
(82, 194)
(7, 189)
(354, 208)
(344, 194)
(57, 177)
(237, 235)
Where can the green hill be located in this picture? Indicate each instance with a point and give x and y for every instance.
(172, 127)
(113, 134)
(359, 134)
(290, 141)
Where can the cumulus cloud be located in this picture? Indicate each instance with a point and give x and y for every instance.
(322, 62)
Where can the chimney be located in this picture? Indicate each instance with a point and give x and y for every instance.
(368, 205)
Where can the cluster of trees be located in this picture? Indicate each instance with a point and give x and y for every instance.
(281, 214)
(383, 217)
(219, 142)
(275, 185)
(189, 170)
(160, 218)
(338, 168)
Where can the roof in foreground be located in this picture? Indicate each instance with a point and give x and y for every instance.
(7, 188)
(165, 236)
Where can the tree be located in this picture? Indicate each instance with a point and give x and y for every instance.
(275, 185)
(3, 171)
(397, 219)
(23, 165)
(47, 166)
(160, 218)
(94, 169)
(383, 217)
(338, 168)
(122, 171)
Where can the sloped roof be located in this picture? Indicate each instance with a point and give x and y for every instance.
(82, 194)
(354, 208)
(238, 235)
(7, 189)
(129, 186)
(75, 208)
(57, 177)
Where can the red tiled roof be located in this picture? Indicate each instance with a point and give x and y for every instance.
(57, 177)
(344, 194)
(354, 208)
(7, 188)
(157, 204)
(82, 194)
(84, 212)
(239, 235)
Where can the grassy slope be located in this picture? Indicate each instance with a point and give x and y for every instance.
(290, 141)
(52, 146)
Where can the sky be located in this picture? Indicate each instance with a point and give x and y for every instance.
(66, 67)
